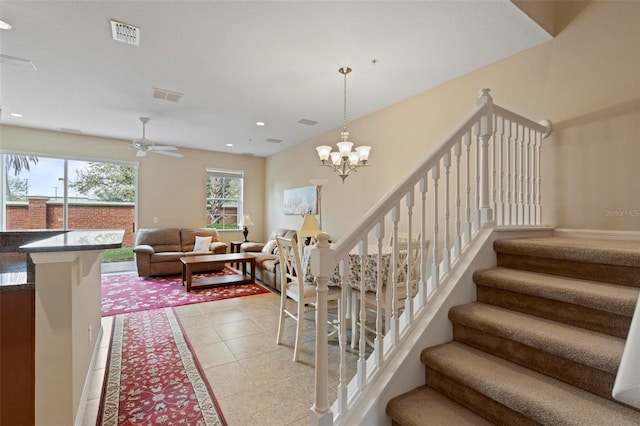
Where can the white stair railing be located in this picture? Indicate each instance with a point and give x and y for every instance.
(486, 173)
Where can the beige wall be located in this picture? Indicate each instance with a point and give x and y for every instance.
(171, 189)
(586, 81)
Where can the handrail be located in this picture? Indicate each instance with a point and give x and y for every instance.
(484, 173)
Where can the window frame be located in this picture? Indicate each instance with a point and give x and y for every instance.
(225, 173)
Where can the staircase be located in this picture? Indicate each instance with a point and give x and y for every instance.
(541, 345)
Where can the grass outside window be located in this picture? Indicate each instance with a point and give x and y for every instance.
(122, 254)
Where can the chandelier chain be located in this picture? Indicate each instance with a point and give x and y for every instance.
(344, 117)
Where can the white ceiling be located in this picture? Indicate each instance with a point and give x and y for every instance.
(238, 62)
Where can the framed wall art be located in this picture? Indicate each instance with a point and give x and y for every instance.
(301, 200)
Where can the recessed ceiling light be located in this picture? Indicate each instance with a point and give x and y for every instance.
(15, 114)
(260, 123)
(229, 144)
(4, 25)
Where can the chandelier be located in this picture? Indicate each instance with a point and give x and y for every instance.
(344, 161)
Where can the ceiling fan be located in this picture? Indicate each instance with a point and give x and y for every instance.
(144, 145)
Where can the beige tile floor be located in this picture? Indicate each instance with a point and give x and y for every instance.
(254, 380)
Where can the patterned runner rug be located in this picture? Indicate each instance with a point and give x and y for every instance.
(127, 292)
(152, 375)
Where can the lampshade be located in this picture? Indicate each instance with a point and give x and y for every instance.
(310, 227)
(246, 220)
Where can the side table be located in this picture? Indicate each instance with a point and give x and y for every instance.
(235, 248)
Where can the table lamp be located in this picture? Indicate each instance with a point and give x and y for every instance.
(245, 222)
(309, 228)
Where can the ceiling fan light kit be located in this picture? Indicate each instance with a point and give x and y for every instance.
(144, 145)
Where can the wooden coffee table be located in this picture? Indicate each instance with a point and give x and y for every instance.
(243, 258)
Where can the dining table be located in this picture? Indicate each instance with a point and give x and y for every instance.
(353, 270)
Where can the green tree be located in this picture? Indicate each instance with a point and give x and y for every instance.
(222, 192)
(17, 163)
(106, 182)
(18, 188)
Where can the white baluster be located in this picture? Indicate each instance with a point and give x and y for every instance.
(537, 184)
(423, 290)
(394, 324)
(500, 147)
(477, 219)
(494, 168)
(378, 342)
(343, 388)
(509, 130)
(457, 242)
(468, 225)
(516, 175)
(528, 180)
(362, 361)
(435, 270)
(520, 174)
(446, 259)
(408, 301)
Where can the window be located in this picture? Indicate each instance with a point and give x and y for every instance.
(224, 198)
(57, 193)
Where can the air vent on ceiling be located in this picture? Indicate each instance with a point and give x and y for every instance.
(307, 122)
(272, 140)
(125, 33)
(166, 95)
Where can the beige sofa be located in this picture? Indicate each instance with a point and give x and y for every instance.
(158, 250)
(267, 260)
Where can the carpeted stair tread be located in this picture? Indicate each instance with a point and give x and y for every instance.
(587, 250)
(620, 300)
(534, 395)
(424, 406)
(590, 348)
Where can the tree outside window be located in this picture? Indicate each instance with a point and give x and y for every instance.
(224, 198)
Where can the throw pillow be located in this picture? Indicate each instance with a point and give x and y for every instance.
(269, 246)
(202, 244)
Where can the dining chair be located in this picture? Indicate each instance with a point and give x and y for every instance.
(407, 259)
(295, 288)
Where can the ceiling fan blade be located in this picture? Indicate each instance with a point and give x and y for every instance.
(170, 153)
(162, 148)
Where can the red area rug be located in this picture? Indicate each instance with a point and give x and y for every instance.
(127, 292)
(152, 376)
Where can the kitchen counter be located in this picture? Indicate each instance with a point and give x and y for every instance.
(81, 239)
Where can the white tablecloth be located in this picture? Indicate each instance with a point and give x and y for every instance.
(352, 273)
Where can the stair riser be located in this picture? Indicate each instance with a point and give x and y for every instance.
(579, 375)
(622, 275)
(580, 316)
(475, 401)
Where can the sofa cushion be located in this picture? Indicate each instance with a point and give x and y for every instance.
(281, 232)
(269, 247)
(167, 256)
(251, 247)
(188, 236)
(161, 239)
(202, 244)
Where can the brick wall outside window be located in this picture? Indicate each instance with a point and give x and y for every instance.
(47, 213)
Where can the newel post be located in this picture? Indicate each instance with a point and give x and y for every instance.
(322, 265)
(485, 133)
